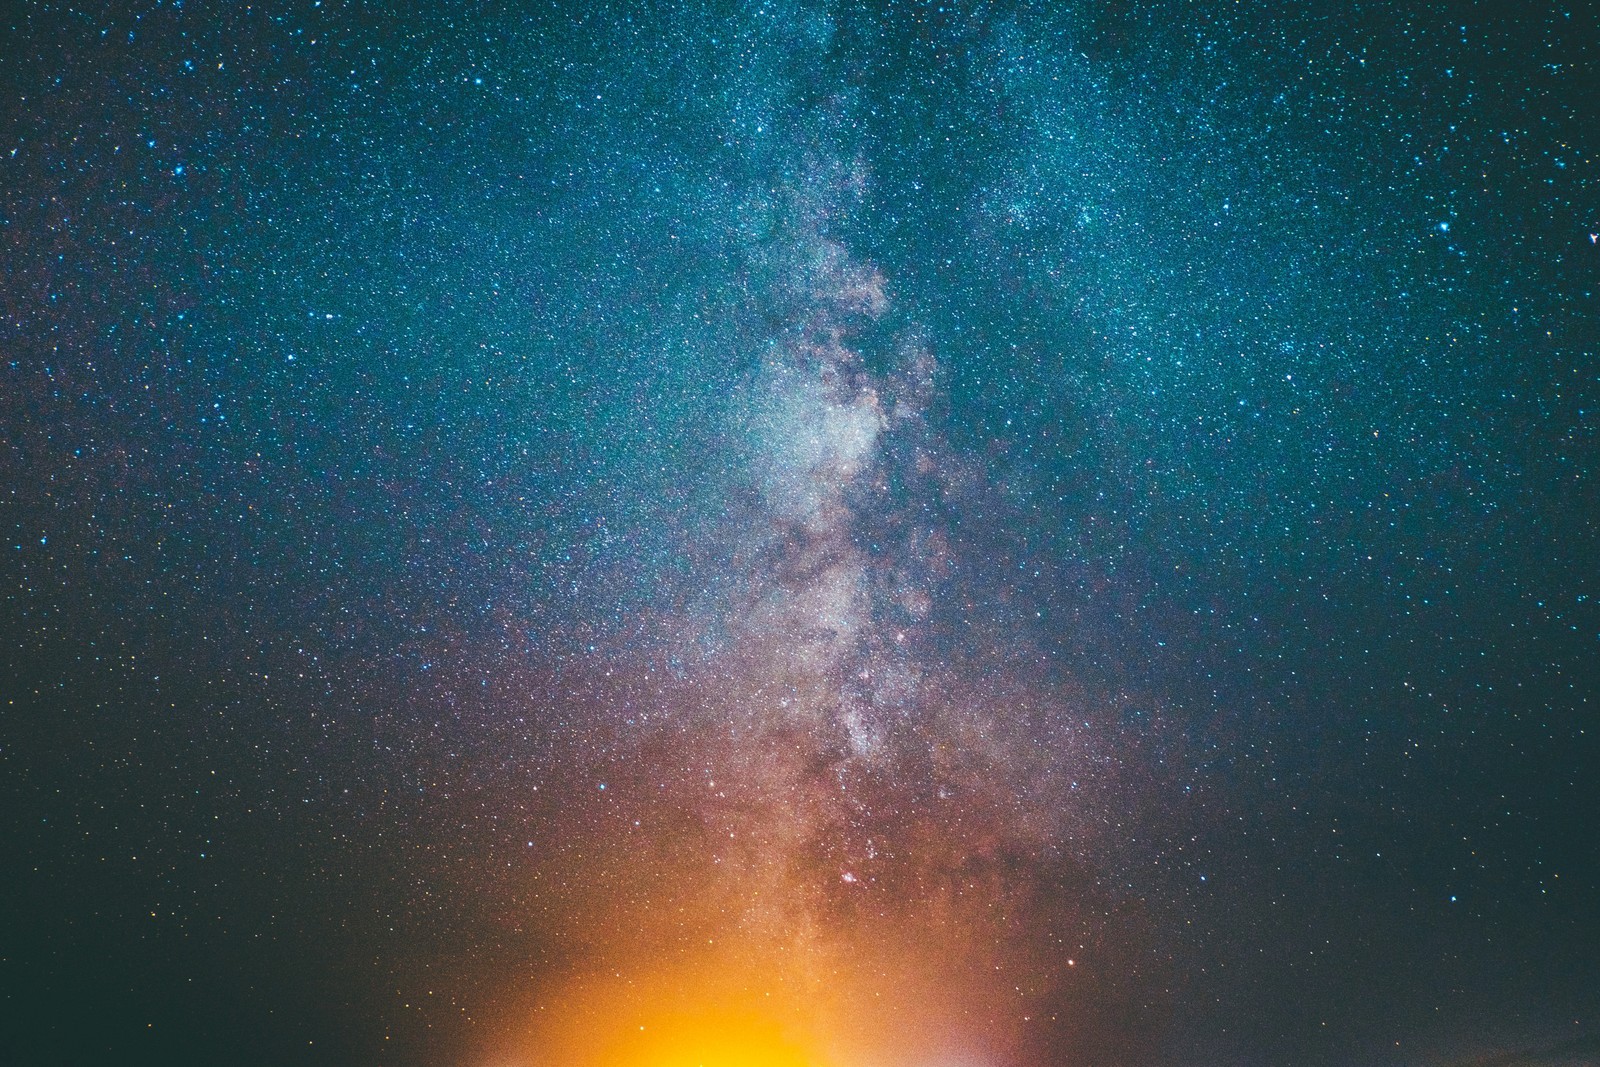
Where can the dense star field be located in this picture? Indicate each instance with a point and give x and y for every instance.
(787, 534)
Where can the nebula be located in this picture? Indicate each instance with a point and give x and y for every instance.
(837, 829)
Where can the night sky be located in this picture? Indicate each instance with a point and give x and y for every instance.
(800, 534)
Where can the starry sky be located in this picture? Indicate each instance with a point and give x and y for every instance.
(799, 534)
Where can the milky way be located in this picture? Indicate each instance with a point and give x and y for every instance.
(802, 534)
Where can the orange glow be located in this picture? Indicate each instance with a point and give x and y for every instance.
(711, 1039)
(709, 1013)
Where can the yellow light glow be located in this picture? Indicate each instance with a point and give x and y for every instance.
(709, 1040)
(714, 1012)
